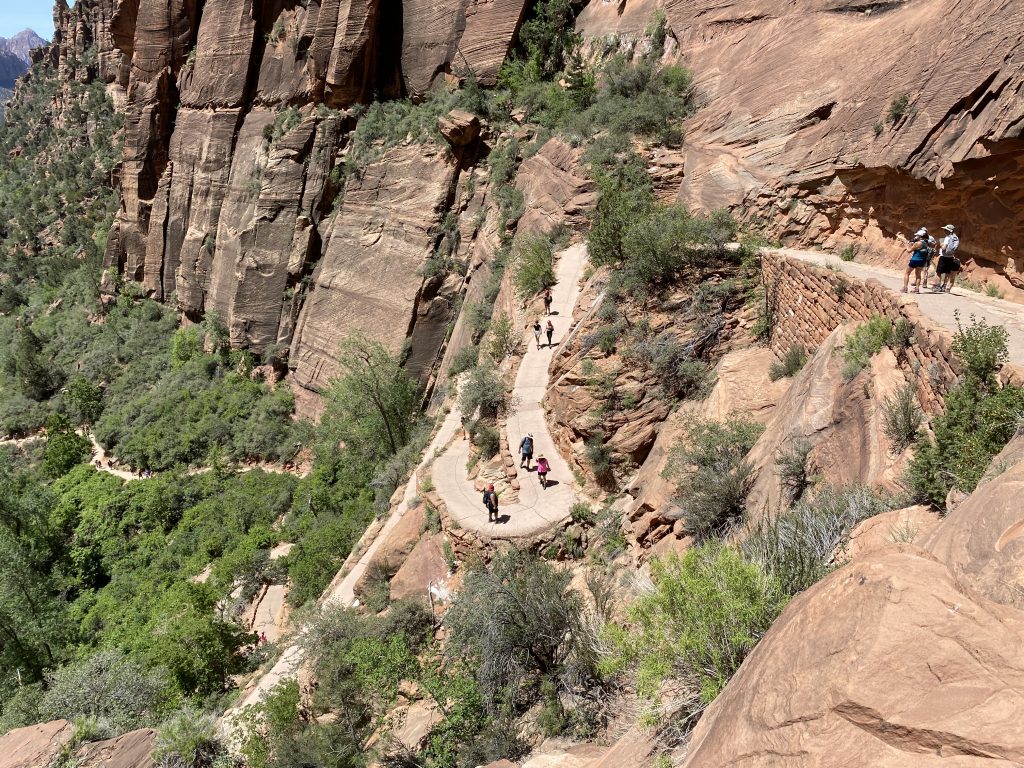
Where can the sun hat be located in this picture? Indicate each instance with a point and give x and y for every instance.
(949, 227)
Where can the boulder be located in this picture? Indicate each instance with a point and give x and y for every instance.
(886, 662)
(912, 525)
(982, 540)
(424, 567)
(35, 746)
(841, 420)
(130, 750)
(459, 128)
(395, 548)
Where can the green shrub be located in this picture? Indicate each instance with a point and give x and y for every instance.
(707, 612)
(801, 545)
(790, 364)
(582, 513)
(599, 456)
(484, 392)
(865, 342)
(64, 449)
(901, 418)
(110, 686)
(897, 108)
(793, 469)
(980, 419)
(465, 359)
(504, 338)
(517, 622)
(533, 266)
(711, 474)
(678, 372)
(485, 438)
(902, 334)
(188, 740)
(849, 252)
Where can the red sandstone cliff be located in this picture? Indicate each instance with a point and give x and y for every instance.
(238, 112)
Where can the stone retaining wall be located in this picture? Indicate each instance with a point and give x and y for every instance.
(810, 302)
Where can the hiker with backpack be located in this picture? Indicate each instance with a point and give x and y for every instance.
(491, 502)
(547, 301)
(918, 260)
(949, 264)
(526, 451)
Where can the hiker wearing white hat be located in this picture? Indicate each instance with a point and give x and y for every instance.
(949, 264)
(918, 260)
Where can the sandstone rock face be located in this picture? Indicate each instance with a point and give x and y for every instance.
(907, 656)
(236, 117)
(880, 664)
(39, 746)
(131, 750)
(368, 279)
(841, 421)
(982, 540)
(556, 189)
(742, 386)
(799, 150)
(35, 746)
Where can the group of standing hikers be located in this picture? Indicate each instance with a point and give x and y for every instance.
(526, 446)
(922, 250)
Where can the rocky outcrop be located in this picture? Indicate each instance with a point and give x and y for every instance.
(907, 656)
(35, 746)
(39, 746)
(925, 130)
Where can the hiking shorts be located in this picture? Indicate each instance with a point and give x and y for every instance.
(917, 262)
(946, 265)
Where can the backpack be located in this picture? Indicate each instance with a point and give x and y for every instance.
(527, 445)
(487, 499)
(952, 244)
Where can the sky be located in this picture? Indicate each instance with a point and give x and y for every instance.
(16, 15)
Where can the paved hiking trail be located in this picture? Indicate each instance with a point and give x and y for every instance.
(537, 508)
(939, 307)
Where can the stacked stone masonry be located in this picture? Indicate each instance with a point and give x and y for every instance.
(808, 303)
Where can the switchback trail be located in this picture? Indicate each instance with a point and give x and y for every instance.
(939, 307)
(536, 508)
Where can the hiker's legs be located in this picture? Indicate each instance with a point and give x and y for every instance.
(549, 337)
(917, 279)
(906, 278)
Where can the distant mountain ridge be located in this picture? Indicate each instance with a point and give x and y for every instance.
(15, 55)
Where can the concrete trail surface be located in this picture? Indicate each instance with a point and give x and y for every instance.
(940, 307)
(342, 589)
(537, 508)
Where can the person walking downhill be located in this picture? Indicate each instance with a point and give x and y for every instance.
(918, 259)
(536, 331)
(542, 470)
(526, 451)
(549, 329)
(949, 265)
(547, 301)
(491, 502)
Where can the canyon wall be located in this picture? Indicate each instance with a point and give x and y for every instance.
(804, 128)
(239, 196)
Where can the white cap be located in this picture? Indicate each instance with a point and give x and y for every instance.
(949, 227)
(921, 232)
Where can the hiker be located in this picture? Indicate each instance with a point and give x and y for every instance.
(542, 470)
(918, 259)
(536, 331)
(948, 265)
(549, 329)
(491, 502)
(547, 301)
(933, 248)
(263, 638)
(526, 451)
